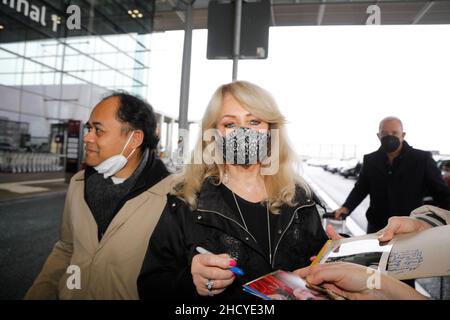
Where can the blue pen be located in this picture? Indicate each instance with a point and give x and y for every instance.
(236, 270)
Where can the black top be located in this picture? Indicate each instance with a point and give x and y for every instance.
(255, 216)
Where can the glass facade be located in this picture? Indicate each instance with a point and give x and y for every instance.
(57, 58)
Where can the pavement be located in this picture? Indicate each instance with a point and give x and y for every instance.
(20, 186)
(31, 206)
(29, 228)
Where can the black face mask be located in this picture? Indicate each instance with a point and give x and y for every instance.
(390, 143)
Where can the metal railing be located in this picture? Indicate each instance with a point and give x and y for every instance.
(21, 162)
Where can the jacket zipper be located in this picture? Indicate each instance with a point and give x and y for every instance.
(287, 227)
(231, 220)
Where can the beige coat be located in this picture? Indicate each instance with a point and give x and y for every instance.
(426, 212)
(109, 268)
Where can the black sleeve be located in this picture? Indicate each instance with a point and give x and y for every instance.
(315, 233)
(436, 185)
(165, 273)
(359, 191)
(319, 235)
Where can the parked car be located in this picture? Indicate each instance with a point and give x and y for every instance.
(333, 166)
(444, 166)
(337, 165)
(314, 162)
(4, 146)
(351, 169)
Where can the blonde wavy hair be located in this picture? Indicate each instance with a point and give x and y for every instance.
(281, 186)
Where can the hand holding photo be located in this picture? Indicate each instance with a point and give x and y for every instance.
(283, 285)
(414, 255)
(365, 250)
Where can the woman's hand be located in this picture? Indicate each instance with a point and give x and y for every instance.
(212, 269)
(357, 282)
(345, 279)
(399, 225)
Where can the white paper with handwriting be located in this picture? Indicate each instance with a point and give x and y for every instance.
(421, 255)
(409, 256)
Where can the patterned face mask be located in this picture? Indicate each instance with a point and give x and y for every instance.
(244, 146)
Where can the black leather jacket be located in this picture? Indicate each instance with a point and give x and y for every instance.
(165, 273)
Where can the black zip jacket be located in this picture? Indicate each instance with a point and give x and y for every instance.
(166, 275)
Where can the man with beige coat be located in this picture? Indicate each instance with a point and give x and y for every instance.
(111, 207)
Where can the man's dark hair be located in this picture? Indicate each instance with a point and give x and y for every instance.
(138, 115)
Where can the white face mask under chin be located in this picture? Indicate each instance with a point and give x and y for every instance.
(114, 164)
(116, 180)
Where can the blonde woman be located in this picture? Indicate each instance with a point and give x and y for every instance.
(227, 206)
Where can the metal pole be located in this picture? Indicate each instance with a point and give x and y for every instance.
(237, 37)
(169, 138)
(161, 125)
(185, 78)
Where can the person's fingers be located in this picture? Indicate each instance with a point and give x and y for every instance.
(205, 292)
(314, 271)
(314, 278)
(353, 295)
(224, 255)
(307, 271)
(222, 284)
(217, 273)
(312, 258)
(326, 273)
(231, 261)
(332, 287)
(337, 214)
(332, 233)
(303, 272)
(387, 235)
(315, 268)
(202, 271)
(202, 289)
(393, 227)
(399, 225)
(345, 279)
(343, 293)
(335, 289)
(215, 260)
(218, 286)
